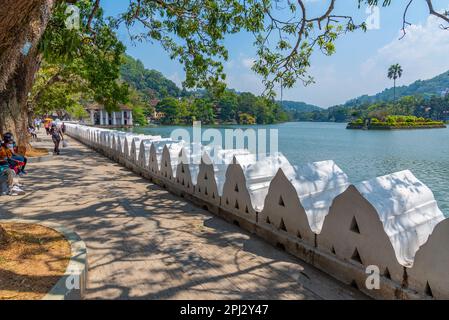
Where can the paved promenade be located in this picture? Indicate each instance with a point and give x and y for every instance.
(145, 243)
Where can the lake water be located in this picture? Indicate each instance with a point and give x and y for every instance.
(362, 154)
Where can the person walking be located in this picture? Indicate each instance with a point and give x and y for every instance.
(47, 127)
(57, 136)
(37, 124)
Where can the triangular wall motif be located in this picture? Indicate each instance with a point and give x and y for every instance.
(429, 290)
(356, 256)
(236, 205)
(354, 226)
(281, 202)
(236, 189)
(282, 225)
(387, 274)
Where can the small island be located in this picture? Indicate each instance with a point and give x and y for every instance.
(395, 122)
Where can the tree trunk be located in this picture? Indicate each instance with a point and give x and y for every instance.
(13, 100)
(394, 90)
(22, 23)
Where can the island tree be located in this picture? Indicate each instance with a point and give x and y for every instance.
(394, 72)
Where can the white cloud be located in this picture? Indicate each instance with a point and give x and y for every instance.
(247, 62)
(422, 53)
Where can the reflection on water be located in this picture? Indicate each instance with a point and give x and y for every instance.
(363, 154)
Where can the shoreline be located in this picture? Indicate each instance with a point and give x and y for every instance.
(352, 127)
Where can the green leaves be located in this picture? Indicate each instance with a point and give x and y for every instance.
(92, 55)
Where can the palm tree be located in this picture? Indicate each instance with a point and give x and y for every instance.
(395, 72)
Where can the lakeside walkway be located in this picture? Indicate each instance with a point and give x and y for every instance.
(145, 243)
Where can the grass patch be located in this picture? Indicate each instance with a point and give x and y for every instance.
(32, 261)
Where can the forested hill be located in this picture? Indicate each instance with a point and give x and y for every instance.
(298, 106)
(151, 83)
(426, 88)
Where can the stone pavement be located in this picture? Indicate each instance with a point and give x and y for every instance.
(145, 243)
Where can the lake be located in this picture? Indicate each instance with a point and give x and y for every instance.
(361, 154)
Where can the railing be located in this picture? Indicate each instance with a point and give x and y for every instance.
(392, 223)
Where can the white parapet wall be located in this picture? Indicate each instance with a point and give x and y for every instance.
(300, 198)
(407, 209)
(353, 232)
(430, 271)
(144, 151)
(283, 210)
(156, 149)
(169, 160)
(392, 223)
(188, 166)
(134, 155)
(247, 182)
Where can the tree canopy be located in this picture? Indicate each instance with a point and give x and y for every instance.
(230, 107)
(286, 33)
(85, 60)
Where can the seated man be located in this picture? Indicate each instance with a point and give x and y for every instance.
(6, 173)
(11, 145)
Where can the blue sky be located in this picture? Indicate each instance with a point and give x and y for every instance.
(358, 67)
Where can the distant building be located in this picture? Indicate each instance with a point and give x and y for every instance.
(100, 117)
(158, 115)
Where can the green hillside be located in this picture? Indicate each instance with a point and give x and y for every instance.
(425, 88)
(422, 98)
(151, 83)
(298, 106)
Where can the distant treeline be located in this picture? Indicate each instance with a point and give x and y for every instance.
(182, 106)
(230, 107)
(433, 107)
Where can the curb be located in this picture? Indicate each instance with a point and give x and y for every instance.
(77, 268)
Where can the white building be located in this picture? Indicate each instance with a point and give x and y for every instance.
(100, 117)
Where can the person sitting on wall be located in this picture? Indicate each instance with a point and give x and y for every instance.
(11, 145)
(8, 172)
